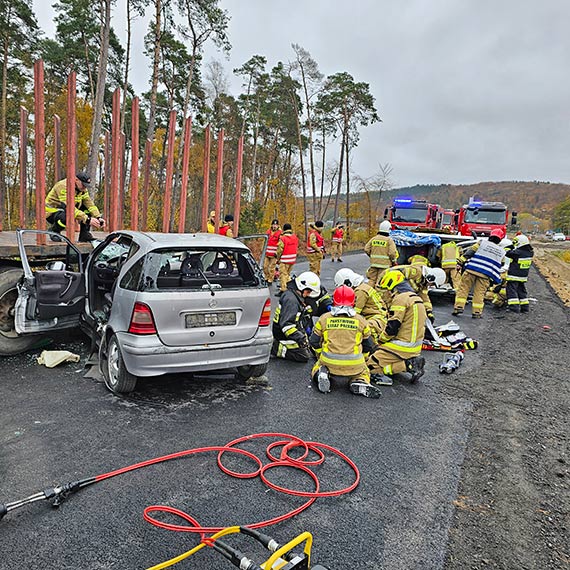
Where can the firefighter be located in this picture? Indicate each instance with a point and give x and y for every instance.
(86, 213)
(418, 259)
(339, 338)
(315, 246)
(336, 242)
(449, 255)
(401, 340)
(482, 266)
(211, 225)
(227, 228)
(498, 293)
(382, 252)
(517, 274)
(290, 339)
(286, 256)
(368, 301)
(270, 261)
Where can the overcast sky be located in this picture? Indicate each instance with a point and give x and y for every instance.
(468, 91)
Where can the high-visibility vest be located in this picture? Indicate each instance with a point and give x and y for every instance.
(223, 231)
(418, 259)
(337, 235)
(319, 239)
(449, 255)
(487, 261)
(272, 242)
(290, 246)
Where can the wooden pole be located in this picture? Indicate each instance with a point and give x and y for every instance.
(122, 180)
(135, 164)
(169, 173)
(40, 147)
(71, 148)
(219, 177)
(146, 182)
(23, 164)
(107, 175)
(237, 204)
(115, 158)
(57, 174)
(184, 181)
(206, 188)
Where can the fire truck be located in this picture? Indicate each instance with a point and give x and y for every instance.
(409, 214)
(480, 218)
(447, 220)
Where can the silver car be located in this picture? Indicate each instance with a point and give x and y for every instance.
(155, 304)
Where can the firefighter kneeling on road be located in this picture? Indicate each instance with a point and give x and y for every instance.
(401, 341)
(339, 338)
(290, 339)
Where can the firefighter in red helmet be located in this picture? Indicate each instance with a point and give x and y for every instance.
(341, 338)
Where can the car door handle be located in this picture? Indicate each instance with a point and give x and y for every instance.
(70, 277)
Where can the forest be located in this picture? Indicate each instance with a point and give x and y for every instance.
(300, 127)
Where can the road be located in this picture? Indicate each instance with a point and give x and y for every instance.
(409, 446)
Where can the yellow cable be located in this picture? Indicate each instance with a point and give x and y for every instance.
(173, 561)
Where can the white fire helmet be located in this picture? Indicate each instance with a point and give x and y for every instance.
(434, 275)
(347, 276)
(309, 280)
(521, 240)
(385, 226)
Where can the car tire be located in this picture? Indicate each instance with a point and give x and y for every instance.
(251, 371)
(10, 341)
(117, 378)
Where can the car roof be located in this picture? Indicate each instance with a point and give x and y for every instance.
(156, 240)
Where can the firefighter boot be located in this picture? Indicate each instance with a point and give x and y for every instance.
(84, 234)
(362, 388)
(415, 366)
(381, 380)
(323, 380)
(56, 230)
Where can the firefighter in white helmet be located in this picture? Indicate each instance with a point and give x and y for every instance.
(382, 252)
(340, 339)
(290, 339)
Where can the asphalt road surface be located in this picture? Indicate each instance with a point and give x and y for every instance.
(58, 426)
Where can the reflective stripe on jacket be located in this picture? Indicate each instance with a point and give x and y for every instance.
(287, 247)
(521, 260)
(337, 235)
(487, 261)
(57, 199)
(382, 251)
(449, 255)
(368, 301)
(272, 242)
(341, 347)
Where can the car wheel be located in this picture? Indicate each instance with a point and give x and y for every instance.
(10, 341)
(117, 378)
(251, 371)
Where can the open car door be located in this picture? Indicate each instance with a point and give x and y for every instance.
(257, 244)
(52, 296)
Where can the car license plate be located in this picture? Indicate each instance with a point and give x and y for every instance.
(197, 320)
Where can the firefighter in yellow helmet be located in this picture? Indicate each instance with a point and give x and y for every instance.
(382, 252)
(401, 341)
(340, 338)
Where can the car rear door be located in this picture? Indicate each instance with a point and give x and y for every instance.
(52, 296)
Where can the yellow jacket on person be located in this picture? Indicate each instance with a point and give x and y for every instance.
(57, 199)
(415, 277)
(368, 301)
(382, 251)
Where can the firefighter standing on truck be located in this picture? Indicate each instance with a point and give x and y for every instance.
(382, 252)
(517, 274)
(483, 266)
(290, 339)
(270, 261)
(401, 341)
(339, 338)
(286, 256)
(336, 242)
(315, 246)
(86, 213)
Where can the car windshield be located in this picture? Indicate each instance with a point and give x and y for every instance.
(184, 269)
(447, 219)
(415, 215)
(480, 216)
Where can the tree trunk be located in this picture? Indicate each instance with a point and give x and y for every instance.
(100, 93)
(3, 126)
(301, 163)
(323, 168)
(339, 181)
(255, 137)
(310, 125)
(347, 189)
(127, 63)
(155, 70)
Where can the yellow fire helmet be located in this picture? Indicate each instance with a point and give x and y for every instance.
(391, 278)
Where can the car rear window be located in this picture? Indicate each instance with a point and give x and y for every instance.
(185, 269)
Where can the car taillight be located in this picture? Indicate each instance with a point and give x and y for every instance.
(265, 318)
(142, 321)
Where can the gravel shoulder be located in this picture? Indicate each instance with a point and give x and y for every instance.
(513, 504)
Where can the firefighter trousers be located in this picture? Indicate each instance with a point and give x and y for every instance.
(336, 250)
(479, 284)
(384, 361)
(452, 276)
(284, 275)
(290, 350)
(517, 297)
(269, 264)
(315, 262)
(374, 275)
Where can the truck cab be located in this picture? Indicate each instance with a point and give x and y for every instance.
(480, 218)
(409, 214)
